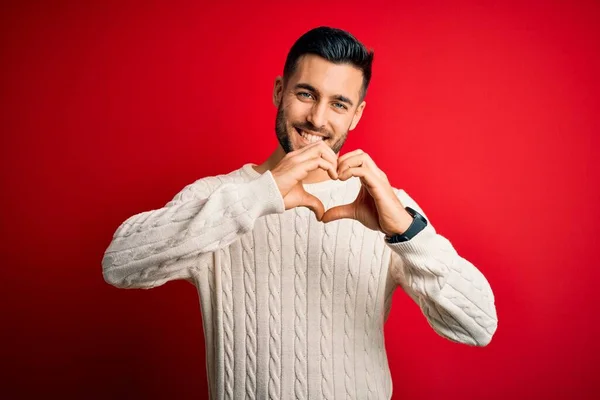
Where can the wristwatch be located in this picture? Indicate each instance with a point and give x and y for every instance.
(418, 224)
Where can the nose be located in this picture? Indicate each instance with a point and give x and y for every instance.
(317, 115)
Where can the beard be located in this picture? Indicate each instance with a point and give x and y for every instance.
(284, 134)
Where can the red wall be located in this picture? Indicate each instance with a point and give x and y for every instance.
(486, 114)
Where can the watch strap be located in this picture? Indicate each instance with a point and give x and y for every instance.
(418, 224)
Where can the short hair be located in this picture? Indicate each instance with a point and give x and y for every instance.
(335, 45)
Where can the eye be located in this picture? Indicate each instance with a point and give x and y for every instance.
(306, 95)
(340, 106)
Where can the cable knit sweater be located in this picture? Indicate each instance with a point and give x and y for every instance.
(293, 308)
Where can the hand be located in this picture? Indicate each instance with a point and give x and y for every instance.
(377, 207)
(295, 167)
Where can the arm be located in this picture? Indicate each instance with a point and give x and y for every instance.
(154, 247)
(453, 294)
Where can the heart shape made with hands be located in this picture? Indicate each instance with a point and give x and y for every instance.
(376, 206)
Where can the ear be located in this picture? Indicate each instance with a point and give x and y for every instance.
(358, 114)
(277, 91)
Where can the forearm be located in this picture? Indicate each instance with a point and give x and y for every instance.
(159, 243)
(453, 294)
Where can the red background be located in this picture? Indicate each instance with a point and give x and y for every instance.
(486, 114)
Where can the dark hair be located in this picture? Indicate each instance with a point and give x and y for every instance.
(334, 45)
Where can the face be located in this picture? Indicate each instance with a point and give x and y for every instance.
(319, 102)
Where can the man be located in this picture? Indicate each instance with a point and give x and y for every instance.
(296, 259)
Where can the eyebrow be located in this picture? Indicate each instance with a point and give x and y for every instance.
(338, 97)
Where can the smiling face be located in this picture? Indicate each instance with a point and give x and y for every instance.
(321, 101)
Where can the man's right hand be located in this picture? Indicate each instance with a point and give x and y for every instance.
(295, 167)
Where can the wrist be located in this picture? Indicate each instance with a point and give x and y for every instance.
(404, 220)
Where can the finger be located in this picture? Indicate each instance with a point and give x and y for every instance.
(338, 212)
(321, 149)
(310, 157)
(350, 154)
(358, 160)
(319, 162)
(314, 204)
(302, 151)
(362, 159)
(329, 149)
(329, 156)
(359, 172)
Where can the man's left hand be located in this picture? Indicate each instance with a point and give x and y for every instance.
(377, 207)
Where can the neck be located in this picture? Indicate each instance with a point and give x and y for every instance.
(276, 156)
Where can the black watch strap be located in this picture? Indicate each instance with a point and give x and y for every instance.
(418, 224)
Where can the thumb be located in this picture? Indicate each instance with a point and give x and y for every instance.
(339, 212)
(314, 204)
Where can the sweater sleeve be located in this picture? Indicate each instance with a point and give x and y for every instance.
(154, 247)
(453, 294)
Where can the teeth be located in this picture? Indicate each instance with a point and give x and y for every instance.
(311, 138)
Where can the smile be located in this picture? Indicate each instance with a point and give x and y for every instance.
(309, 137)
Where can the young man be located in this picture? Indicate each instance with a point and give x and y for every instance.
(296, 259)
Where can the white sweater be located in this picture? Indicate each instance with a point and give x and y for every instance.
(293, 308)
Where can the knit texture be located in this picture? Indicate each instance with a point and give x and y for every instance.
(291, 307)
